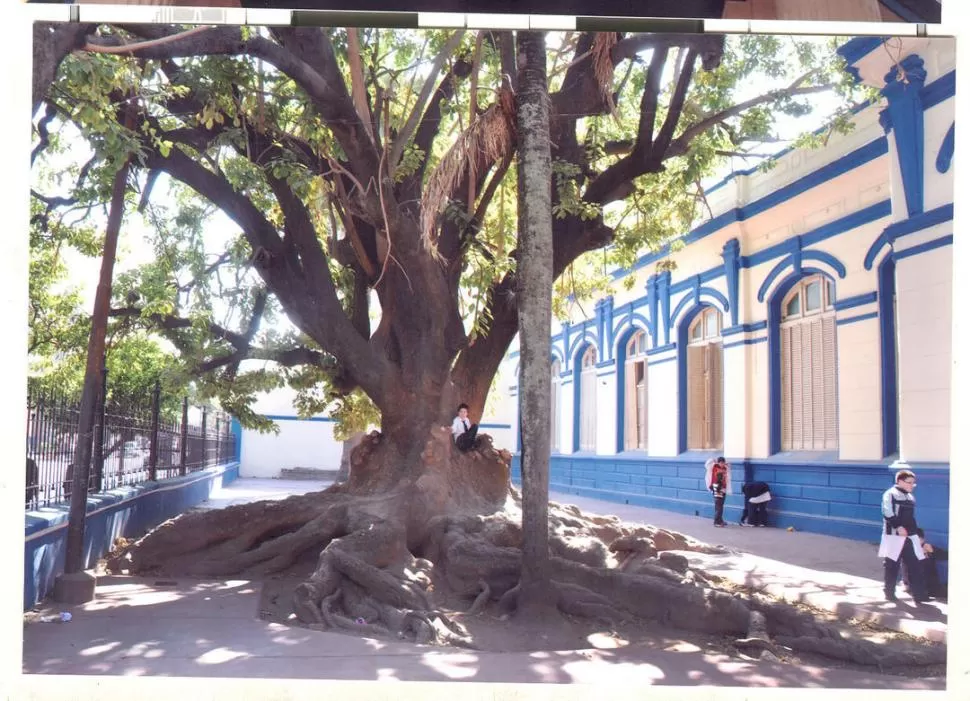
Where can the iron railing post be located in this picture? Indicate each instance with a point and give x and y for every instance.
(202, 451)
(153, 445)
(184, 441)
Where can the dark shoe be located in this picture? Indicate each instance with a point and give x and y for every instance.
(890, 597)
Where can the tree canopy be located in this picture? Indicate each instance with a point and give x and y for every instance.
(335, 209)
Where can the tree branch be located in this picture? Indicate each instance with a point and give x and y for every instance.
(649, 101)
(397, 149)
(175, 323)
(259, 307)
(290, 357)
(680, 145)
(676, 104)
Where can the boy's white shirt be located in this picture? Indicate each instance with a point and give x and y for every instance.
(458, 426)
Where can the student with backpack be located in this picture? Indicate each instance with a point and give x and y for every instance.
(718, 481)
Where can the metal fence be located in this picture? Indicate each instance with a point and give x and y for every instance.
(130, 444)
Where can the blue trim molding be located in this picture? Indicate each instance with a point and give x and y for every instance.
(887, 348)
(744, 328)
(745, 342)
(854, 319)
(924, 247)
(940, 90)
(856, 49)
(731, 253)
(856, 301)
(923, 220)
(795, 261)
(945, 155)
(904, 116)
(857, 158)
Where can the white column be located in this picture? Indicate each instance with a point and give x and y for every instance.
(859, 386)
(606, 413)
(566, 417)
(924, 284)
(662, 421)
(736, 411)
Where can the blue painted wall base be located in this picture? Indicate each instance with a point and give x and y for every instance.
(126, 512)
(831, 497)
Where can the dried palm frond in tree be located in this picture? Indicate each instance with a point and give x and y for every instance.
(602, 58)
(492, 135)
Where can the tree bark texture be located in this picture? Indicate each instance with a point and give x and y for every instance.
(535, 315)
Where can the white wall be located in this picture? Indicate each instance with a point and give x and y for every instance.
(298, 444)
(662, 396)
(924, 299)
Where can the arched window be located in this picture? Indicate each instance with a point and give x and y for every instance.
(554, 407)
(587, 395)
(809, 391)
(635, 393)
(705, 402)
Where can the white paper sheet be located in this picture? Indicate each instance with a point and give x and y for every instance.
(891, 546)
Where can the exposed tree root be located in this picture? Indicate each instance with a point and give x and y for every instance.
(389, 557)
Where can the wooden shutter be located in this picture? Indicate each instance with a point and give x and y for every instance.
(642, 404)
(830, 385)
(630, 407)
(796, 388)
(809, 333)
(695, 397)
(786, 387)
(715, 403)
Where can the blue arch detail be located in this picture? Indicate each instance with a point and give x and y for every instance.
(630, 321)
(577, 360)
(945, 156)
(774, 351)
(703, 292)
(623, 337)
(585, 338)
(789, 261)
(682, 328)
(877, 245)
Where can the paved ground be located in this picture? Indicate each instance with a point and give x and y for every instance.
(834, 574)
(141, 627)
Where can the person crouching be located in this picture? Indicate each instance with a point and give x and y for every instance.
(756, 498)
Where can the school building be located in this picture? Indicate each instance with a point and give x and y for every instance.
(804, 334)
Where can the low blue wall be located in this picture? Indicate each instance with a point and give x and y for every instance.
(836, 498)
(127, 512)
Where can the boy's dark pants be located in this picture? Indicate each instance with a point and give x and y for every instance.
(718, 508)
(466, 440)
(914, 571)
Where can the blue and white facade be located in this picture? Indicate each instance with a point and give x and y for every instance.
(805, 333)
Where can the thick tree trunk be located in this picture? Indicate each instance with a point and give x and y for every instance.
(535, 314)
(343, 474)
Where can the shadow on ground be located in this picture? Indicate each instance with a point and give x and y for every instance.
(154, 627)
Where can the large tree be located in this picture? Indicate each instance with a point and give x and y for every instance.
(370, 179)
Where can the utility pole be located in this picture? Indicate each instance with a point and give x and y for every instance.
(76, 586)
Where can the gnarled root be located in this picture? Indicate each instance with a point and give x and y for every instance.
(369, 582)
